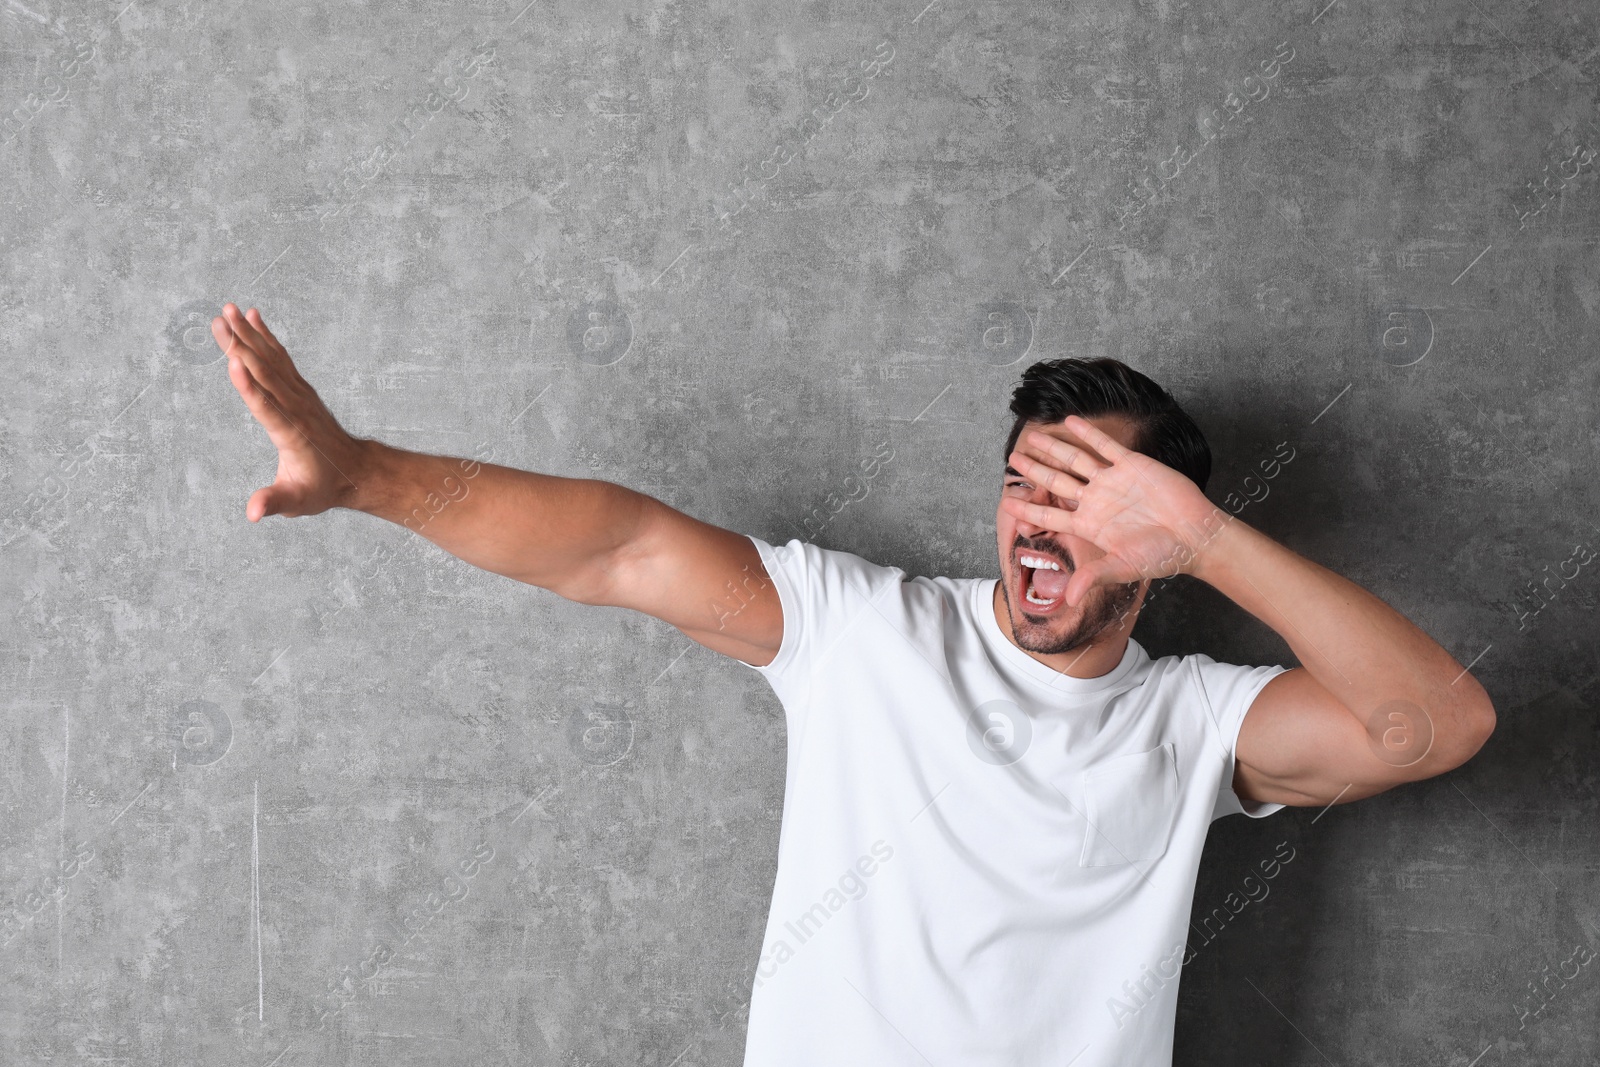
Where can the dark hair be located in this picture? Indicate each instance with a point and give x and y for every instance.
(1053, 389)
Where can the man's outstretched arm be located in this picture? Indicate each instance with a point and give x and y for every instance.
(590, 541)
(1377, 701)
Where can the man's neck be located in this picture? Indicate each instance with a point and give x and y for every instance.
(1096, 657)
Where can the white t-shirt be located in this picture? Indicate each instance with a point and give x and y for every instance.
(983, 862)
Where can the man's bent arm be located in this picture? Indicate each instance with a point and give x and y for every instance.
(1378, 702)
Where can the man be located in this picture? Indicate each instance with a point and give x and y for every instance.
(995, 800)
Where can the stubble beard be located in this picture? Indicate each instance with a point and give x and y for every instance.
(1104, 607)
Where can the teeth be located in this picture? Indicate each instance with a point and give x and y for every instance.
(1037, 563)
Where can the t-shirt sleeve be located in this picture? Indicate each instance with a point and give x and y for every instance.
(1229, 689)
(827, 596)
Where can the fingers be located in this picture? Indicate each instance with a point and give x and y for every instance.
(242, 327)
(261, 405)
(1084, 578)
(1065, 486)
(222, 333)
(1066, 455)
(285, 364)
(253, 317)
(266, 360)
(1098, 439)
(242, 343)
(1043, 516)
(270, 500)
(255, 349)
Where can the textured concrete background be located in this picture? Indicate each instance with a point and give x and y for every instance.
(314, 792)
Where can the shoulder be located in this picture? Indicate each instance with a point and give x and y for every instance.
(807, 558)
(830, 578)
(832, 571)
(1218, 686)
(957, 592)
(1226, 690)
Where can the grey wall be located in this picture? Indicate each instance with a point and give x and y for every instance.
(608, 248)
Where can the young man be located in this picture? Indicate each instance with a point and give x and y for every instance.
(995, 800)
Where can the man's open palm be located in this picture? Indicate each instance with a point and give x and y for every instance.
(317, 459)
(1150, 520)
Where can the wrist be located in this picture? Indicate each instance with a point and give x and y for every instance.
(372, 474)
(1217, 544)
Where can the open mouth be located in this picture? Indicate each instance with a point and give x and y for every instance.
(1043, 580)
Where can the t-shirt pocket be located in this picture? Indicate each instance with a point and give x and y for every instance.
(1131, 802)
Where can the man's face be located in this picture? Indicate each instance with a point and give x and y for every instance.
(1054, 627)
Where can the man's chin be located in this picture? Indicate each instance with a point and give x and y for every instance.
(1045, 634)
(1050, 637)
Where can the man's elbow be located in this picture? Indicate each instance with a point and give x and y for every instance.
(1483, 726)
(1474, 725)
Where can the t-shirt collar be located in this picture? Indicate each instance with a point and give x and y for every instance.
(1001, 646)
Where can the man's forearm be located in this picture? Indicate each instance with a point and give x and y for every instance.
(541, 529)
(1358, 647)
